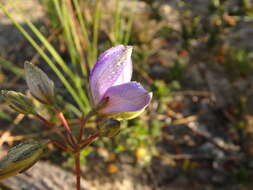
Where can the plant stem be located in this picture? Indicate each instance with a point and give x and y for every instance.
(89, 115)
(83, 123)
(67, 128)
(60, 145)
(51, 126)
(78, 171)
(45, 121)
(88, 141)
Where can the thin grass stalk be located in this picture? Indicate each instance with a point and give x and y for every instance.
(83, 24)
(77, 37)
(115, 30)
(122, 26)
(74, 109)
(50, 38)
(67, 31)
(76, 42)
(11, 67)
(121, 31)
(73, 44)
(83, 28)
(96, 22)
(129, 27)
(62, 13)
(82, 92)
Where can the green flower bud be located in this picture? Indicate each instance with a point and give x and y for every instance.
(110, 128)
(41, 87)
(18, 101)
(20, 158)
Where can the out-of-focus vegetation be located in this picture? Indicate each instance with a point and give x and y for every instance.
(196, 57)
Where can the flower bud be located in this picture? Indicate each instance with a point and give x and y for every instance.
(41, 87)
(20, 158)
(18, 101)
(110, 128)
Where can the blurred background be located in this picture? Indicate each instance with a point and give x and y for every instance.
(196, 56)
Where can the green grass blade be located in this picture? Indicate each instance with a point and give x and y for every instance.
(46, 58)
(11, 67)
(96, 23)
(72, 33)
(61, 12)
(57, 57)
(68, 33)
(129, 26)
(129, 29)
(117, 22)
(51, 49)
(82, 23)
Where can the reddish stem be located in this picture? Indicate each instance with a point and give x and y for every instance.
(78, 171)
(83, 123)
(51, 126)
(46, 122)
(59, 144)
(67, 128)
(64, 122)
(89, 115)
(88, 141)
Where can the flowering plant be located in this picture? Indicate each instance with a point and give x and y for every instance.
(114, 98)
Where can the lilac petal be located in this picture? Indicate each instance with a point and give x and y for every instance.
(127, 97)
(113, 67)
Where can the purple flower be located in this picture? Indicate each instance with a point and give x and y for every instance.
(111, 78)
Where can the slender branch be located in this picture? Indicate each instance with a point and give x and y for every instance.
(67, 128)
(52, 126)
(228, 149)
(59, 144)
(88, 141)
(89, 115)
(78, 171)
(83, 123)
(168, 157)
(45, 121)
(64, 122)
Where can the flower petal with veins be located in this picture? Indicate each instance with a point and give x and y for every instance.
(127, 97)
(113, 67)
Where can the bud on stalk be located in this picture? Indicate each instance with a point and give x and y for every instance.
(20, 158)
(110, 128)
(18, 101)
(41, 87)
